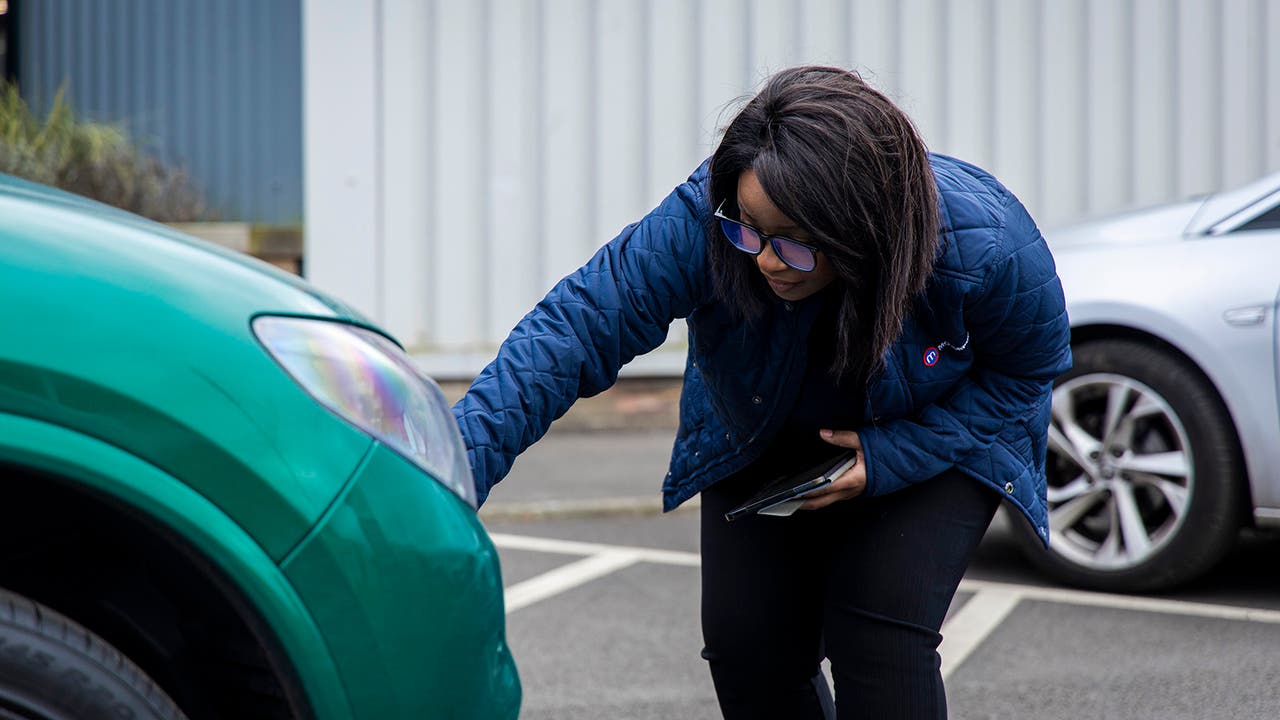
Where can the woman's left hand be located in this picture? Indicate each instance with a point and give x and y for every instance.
(851, 483)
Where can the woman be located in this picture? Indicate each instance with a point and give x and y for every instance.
(843, 289)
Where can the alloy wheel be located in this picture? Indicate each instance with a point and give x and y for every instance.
(1120, 472)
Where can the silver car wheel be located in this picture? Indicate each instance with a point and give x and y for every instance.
(1121, 482)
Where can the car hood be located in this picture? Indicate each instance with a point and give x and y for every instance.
(131, 333)
(76, 211)
(1164, 223)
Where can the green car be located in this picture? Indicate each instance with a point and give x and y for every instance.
(222, 493)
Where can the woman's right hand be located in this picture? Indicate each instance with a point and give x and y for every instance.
(851, 483)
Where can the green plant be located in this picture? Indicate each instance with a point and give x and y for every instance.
(98, 160)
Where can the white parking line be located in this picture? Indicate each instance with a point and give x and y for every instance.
(572, 547)
(971, 624)
(566, 577)
(1128, 602)
(603, 559)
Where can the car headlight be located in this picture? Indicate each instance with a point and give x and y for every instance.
(370, 382)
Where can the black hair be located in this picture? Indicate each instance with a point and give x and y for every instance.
(848, 166)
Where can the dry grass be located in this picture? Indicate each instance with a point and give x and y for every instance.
(97, 160)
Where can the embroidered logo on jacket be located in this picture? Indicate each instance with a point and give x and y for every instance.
(931, 357)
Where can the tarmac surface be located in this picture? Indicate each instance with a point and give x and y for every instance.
(602, 601)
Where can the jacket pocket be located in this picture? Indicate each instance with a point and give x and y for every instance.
(1036, 426)
(929, 369)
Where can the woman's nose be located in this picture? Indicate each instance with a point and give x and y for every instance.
(768, 260)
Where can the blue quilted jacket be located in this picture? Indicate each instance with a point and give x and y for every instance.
(967, 385)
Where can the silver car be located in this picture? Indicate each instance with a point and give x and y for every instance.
(1165, 439)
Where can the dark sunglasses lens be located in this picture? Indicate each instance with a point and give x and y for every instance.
(797, 256)
(741, 237)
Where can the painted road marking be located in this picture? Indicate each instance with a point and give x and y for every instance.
(963, 633)
(572, 547)
(566, 577)
(1128, 602)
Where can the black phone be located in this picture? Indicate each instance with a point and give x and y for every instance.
(794, 487)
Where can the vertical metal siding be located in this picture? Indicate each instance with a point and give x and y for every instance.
(1271, 79)
(212, 86)
(553, 123)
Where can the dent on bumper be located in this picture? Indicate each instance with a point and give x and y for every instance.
(405, 586)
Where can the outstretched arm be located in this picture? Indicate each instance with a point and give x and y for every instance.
(574, 342)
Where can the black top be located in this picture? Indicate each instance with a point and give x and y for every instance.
(823, 402)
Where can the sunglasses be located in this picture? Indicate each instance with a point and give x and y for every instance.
(748, 239)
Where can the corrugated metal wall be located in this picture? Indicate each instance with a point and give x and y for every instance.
(213, 86)
(546, 125)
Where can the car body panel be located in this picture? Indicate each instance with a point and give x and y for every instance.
(1157, 224)
(1267, 512)
(1179, 290)
(380, 553)
(78, 210)
(1246, 214)
(1223, 211)
(149, 491)
(116, 331)
(129, 369)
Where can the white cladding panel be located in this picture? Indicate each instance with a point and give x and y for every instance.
(463, 155)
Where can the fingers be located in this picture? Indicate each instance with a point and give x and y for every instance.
(850, 484)
(816, 502)
(842, 438)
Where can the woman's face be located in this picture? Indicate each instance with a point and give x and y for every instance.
(756, 209)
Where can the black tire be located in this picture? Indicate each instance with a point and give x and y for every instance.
(53, 669)
(1190, 515)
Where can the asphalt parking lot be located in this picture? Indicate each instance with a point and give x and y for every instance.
(602, 611)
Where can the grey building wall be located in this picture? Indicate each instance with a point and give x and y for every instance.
(463, 155)
(213, 86)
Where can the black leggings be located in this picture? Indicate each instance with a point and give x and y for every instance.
(865, 582)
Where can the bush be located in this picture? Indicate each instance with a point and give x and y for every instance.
(97, 160)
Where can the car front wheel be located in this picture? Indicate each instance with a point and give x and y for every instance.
(1145, 485)
(53, 669)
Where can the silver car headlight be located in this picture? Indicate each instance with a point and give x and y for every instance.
(370, 382)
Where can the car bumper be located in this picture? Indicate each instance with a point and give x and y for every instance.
(404, 584)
